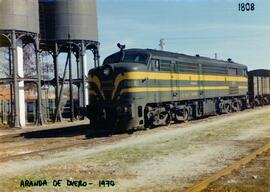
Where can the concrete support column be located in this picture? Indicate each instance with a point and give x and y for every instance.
(84, 86)
(21, 97)
(83, 73)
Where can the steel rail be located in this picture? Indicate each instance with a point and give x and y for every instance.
(226, 171)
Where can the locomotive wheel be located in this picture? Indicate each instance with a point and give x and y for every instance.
(236, 106)
(185, 115)
(257, 102)
(154, 120)
(168, 119)
(163, 118)
(265, 100)
(239, 106)
(160, 119)
(226, 108)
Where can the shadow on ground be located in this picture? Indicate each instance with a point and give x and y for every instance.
(69, 132)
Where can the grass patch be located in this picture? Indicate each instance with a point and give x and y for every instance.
(125, 157)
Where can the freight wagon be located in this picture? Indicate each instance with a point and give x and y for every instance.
(259, 86)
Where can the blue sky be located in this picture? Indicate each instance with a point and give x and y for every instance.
(192, 27)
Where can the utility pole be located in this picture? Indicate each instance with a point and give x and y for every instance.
(161, 44)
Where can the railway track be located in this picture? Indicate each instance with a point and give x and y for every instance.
(49, 145)
(59, 147)
(228, 170)
(40, 147)
(39, 152)
(86, 155)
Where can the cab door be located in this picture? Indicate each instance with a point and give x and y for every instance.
(153, 83)
(174, 82)
(201, 82)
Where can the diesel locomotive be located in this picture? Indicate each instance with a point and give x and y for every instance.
(140, 88)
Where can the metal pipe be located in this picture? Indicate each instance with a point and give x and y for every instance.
(98, 58)
(61, 91)
(78, 62)
(11, 106)
(55, 62)
(95, 57)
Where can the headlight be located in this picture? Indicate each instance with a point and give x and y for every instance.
(125, 109)
(106, 71)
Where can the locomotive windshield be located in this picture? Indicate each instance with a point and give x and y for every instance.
(127, 57)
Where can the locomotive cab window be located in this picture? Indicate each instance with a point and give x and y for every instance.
(114, 58)
(154, 65)
(130, 57)
(245, 71)
(127, 57)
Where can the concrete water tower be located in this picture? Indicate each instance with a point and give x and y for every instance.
(19, 25)
(70, 26)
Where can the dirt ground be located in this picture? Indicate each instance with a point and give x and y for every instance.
(170, 158)
(252, 177)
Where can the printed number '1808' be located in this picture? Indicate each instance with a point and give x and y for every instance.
(246, 6)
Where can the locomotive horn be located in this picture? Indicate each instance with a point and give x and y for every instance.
(121, 46)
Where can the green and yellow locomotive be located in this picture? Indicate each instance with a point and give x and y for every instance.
(140, 88)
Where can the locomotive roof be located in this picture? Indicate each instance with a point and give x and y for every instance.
(260, 72)
(203, 60)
